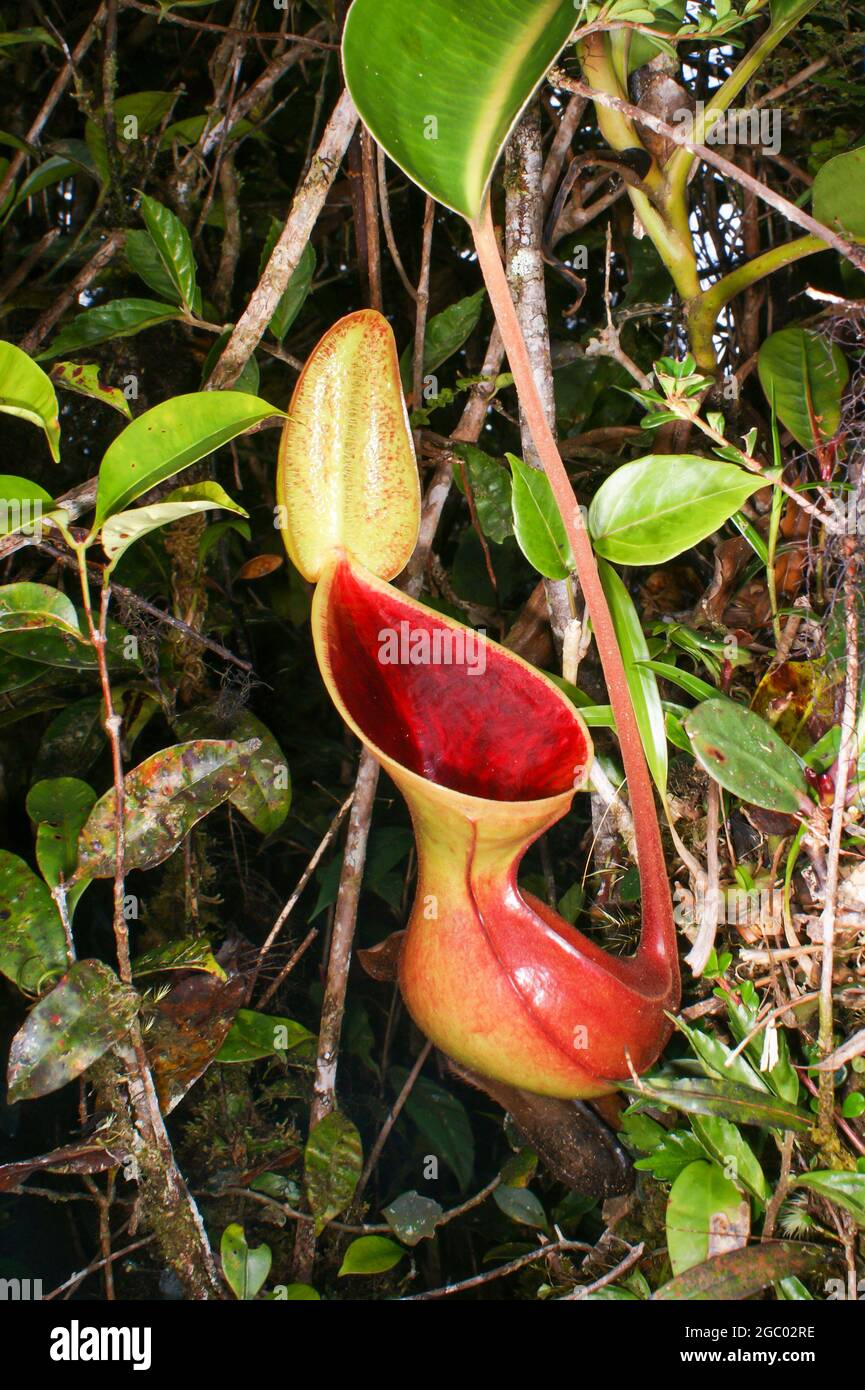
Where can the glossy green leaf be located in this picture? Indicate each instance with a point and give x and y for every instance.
(413, 1218)
(164, 797)
(804, 375)
(728, 1099)
(445, 334)
(845, 1189)
(642, 682)
(538, 524)
(245, 1268)
(32, 941)
(706, 1216)
(333, 1159)
(254, 1035)
(442, 1120)
(174, 249)
(26, 391)
(294, 295)
(168, 438)
(295, 1293)
(742, 1273)
(87, 1011)
(83, 379)
(742, 752)
(26, 605)
(733, 1154)
(125, 528)
(652, 509)
(23, 505)
(371, 1255)
(441, 86)
(838, 195)
(144, 260)
(491, 488)
(120, 319)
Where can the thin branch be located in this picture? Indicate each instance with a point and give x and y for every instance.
(285, 257)
(512, 1267)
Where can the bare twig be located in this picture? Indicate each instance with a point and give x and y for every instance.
(97, 263)
(285, 257)
(542, 1253)
(633, 1257)
(393, 1116)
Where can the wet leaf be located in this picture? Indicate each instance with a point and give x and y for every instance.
(655, 508)
(164, 797)
(168, 438)
(742, 752)
(413, 1218)
(743, 1272)
(32, 941)
(333, 1159)
(371, 1255)
(83, 379)
(86, 1013)
(27, 392)
(538, 524)
(706, 1216)
(805, 376)
(254, 1035)
(245, 1269)
(347, 476)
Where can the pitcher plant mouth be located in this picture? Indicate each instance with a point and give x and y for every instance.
(440, 700)
(488, 754)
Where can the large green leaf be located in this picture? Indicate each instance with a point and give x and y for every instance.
(23, 504)
(441, 84)
(120, 319)
(255, 1035)
(742, 752)
(538, 524)
(729, 1099)
(706, 1215)
(170, 437)
(642, 682)
(442, 1120)
(652, 509)
(86, 1012)
(804, 376)
(164, 797)
(32, 942)
(839, 194)
(25, 390)
(264, 795)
